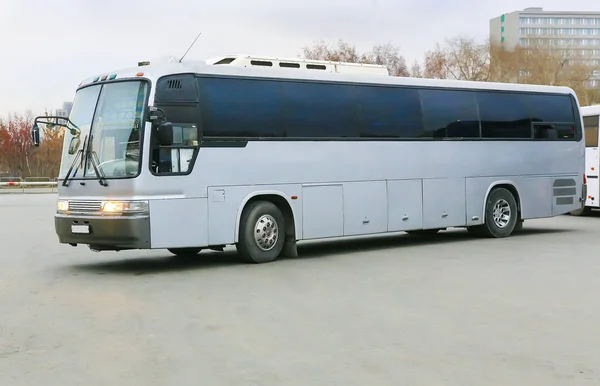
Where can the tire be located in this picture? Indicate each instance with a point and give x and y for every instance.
(583, 211)
(265, 220)
(185, 252)
(518, 226)
(500, 200)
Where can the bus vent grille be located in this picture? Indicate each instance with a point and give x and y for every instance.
(85, 206)
(175, 83)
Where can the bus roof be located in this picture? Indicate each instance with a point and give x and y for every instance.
(590, 110)
(299, 64)
(157, 70)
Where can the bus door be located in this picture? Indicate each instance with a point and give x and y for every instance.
(592, 162)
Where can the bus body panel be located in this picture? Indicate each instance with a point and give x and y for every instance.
(444, 202)
(225, 204)
(365, 207)
(179, 222)
(185, 211)
(592, 166)
(590, 116)
(405, 204)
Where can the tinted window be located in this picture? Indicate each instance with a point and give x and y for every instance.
(449, 113)
(241, 107)
(549, 108)
(547, 112)
(503, 115)
(591, 131)
(319, 110)
(388, 112)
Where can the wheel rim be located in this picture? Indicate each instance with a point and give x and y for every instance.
(266, 232)
(501, 213)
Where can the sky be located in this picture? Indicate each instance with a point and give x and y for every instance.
(48, 47)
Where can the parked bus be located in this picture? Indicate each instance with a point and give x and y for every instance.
(592, 164)
(192, 156)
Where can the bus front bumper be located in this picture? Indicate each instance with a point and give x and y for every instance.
(104, 232)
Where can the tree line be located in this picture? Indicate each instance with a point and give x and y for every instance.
(463, 58)
(18, 156)
(460, 58)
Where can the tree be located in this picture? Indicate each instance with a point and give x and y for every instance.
(415, 70)
(16, 145)
(46, 159)
(460, 58)
(19, 157)
(383, 54)
(538, 63)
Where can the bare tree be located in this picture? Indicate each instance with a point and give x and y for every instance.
(383, 54)
(343, 52)
(416, 71)
(458, 58)
(389, 56)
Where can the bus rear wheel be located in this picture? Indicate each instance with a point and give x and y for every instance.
(501, 215)
(262, 234)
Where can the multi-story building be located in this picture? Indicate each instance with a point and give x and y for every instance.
(578, 33)
(65, 111)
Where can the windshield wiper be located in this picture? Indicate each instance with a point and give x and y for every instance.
(84, 154)
(93, 156)
(77, 157)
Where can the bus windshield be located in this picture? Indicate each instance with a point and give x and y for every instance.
(110, 115)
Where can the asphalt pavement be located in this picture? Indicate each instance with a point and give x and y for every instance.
(399, 310)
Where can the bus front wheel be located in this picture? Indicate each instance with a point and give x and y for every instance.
(262, 232)
(501, 215)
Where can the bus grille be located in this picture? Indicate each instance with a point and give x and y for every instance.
(85, 206)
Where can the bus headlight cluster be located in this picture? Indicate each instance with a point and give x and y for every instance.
(125, 207)
(62, 206)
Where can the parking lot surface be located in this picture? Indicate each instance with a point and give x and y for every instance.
(450, 310)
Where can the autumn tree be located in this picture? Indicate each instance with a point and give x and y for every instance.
(19, 157)
(16, 146)
(539, 63)
(46, 159)
(382, 54)
(463, 58)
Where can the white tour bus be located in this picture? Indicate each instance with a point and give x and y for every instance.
(590, 116)
(192, 156)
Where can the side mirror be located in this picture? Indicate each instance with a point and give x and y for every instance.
(74, 145)
(35, 135)
(165, 133)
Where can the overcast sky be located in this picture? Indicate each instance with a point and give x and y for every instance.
(48, 47)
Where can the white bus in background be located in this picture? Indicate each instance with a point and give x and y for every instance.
(591, 116)
(192, 156)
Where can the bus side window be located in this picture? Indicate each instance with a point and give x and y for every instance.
(177, 158)
(591, 131)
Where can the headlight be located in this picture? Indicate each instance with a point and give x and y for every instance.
(125, 207)
(62, 206)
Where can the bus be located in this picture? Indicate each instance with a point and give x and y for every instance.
(590, 116)
(189, 156)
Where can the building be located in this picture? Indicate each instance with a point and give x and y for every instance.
(65, 111)
(577, 32)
